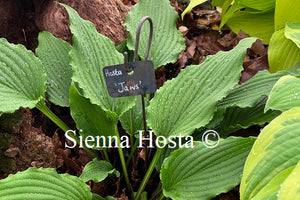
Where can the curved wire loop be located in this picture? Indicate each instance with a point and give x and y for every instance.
(138, 32)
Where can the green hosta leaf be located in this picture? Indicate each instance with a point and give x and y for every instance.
(167, 41)
(290, 188)
(292, 32)
(144, 196)
(240, 118)
(295, 71)
(255, 18)
(259, 5)
(192, 4)
(123, 48)
(90, 117)
(249, 93)
(217, 119)
(132, 119)
(91, 52)
(53, 52)
(202, 173)
(97, 197)
(272, 157)
(165, 153)
(217, 2)
(286, 11)
(260, 25)
(189, 101)
(283, 53)
(285, 94)
(46, 184)
(228, 9)
(270, 191)
(97, 170)
(22, 77)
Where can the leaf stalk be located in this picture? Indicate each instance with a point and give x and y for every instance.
(123, 163)
(44, 109)
(148, 173)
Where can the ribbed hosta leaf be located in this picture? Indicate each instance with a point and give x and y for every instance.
(217, 119)
(192, 4)
(292, 32)
(283, 53)
(202, 173)
(290, 188)
(188, 101)
(97, 170)
(165, 153)
(286, 11)
(295, 70)
(53, 52)
(240, 118)
(132, 119)
(22, 77)
(167, 41)
(249, 93)
(90, 53)
(46, 184)
(285, 94)
(90, 118)
(272, 158)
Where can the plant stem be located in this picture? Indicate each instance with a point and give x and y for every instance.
(161, 197)
(132, 152)
(105, 152)
(145, 128)
(148, 173)
(120, 150)
(44, 109)
(158, 190)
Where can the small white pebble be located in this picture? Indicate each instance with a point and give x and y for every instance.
(183, 29)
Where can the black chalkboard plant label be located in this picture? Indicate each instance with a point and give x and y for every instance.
(138, 79)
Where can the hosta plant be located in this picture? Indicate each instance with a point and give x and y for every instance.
(272, 167)
(275, 22)
(200, 97)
